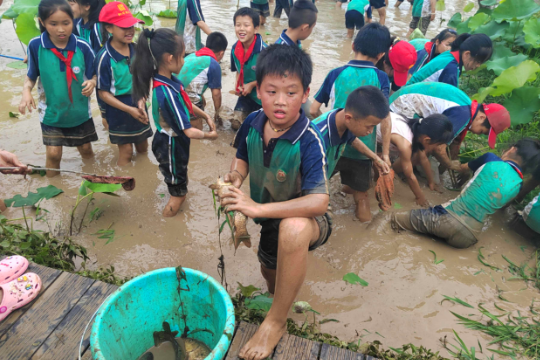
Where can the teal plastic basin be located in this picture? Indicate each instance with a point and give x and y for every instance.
(125, 324)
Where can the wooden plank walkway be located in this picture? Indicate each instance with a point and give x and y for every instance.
(51, 326)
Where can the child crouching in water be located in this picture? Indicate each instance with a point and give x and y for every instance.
(128, 124)
(160, 53)
(65, 67)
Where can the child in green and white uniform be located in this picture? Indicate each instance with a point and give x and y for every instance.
(189, 23)
(358, 14)
(527, 224)
(423, 13)
(64, 91)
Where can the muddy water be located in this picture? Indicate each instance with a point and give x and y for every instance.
(402, 301)
(195, 350)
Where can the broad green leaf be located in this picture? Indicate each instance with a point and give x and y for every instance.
(9, 14)
(463, 27)
(493, 29)
(26, 27)
(523, 104)
(168, 14)
(500, 50)
(489, 2)
(146, 18)
(455, 20)
(416, 34)
(499, 65)
(17, 65)
(352, 278)
(515, 77)
(247, 291)
(482, 94)
(102, 188)
(478, 20)
(33, 198)
(513, 31)
(259, 302)
(515, 10)
(532, 32)
(439, 6)
(468, 7)
(26, 7)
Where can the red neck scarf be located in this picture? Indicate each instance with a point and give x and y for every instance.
(474, 108)
(183, 93)
(242, 59)
(206, 52)
(70, 75)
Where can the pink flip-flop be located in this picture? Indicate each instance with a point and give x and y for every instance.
(18, 293)
(12, 267)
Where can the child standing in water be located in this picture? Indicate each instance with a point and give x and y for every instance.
(86, 24)
(189, 23)
(262, 7)
(128, 124)
(65, 67)
(160, 53)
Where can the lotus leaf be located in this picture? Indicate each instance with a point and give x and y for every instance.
(515, 29)
(25, 7)
(523, 104)
(439, 6)
(26, 27)
(455, 20)
(501, 64)
(463, 27)
(468, 7)
(101, 188)
(33, 198)
(482, 94)
(515, 10)
(144, 17)
(259, 302)
(478, 20)
(9, 14)
(168, 13)
(493, 29)
(500, 50)
(532, 32)
(515, 77)
(488, 2)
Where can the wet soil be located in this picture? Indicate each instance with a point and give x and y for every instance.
(403, 299)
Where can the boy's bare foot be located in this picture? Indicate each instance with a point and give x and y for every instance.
(173, 206)
(261, 345)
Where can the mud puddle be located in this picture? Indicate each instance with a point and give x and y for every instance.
(403, 299)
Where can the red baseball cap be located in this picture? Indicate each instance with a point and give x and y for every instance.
(402, 57)
(499, 119)
(118, 14)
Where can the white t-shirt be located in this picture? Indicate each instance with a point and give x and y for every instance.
(399, 127)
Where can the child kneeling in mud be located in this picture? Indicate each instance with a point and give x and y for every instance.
(496, 181)
(284, 155)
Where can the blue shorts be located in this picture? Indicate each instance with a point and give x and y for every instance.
(354, 19)
(262, 9)
(123, 128)
(377, 4)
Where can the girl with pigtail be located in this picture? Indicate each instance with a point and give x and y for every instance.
(411, 140)
(160, 53)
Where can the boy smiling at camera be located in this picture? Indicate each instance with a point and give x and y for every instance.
(283, 152)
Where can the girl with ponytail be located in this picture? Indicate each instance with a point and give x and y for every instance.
(160, 54)
(411, 140)
(427, 50)
(468, 52)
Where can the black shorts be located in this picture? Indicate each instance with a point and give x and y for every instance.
(377, 4)
(354, 19)
(74, 136)
(356, 174)
(262, 9)
(268, 246)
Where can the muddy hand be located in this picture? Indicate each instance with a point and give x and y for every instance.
(382, 166)
(236, 200)
(234, 178)
(8, 159)
(88, 87)
(27, 101)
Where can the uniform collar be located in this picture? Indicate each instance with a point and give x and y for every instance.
(287, 40)
(172, 83)
(48, 44)
(293, 134)
(362, 64)
(82, 24)
(259, 45)
(333, 132)
(115, 55)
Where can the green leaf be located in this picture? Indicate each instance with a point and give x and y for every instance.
(9, 14)
(468, 7)
(513, 32)
(489, 2)
(523, 104)
(500, 50)
(13, 115)
(463, 27)
(168, 14)
(435, 261)
(457, 300)
(5, 244)
(515, 77)
(501, 64)
(259, 302)
(146, 18)
(161, 195)
(439, 6)
(482, 94)
(17, 65)
(416, 34)
(455, 20)
(26, 27)
(515, 10)
(352, 278)
(492, 29)
(247, 291)
(478, 20)
(102, 188)
(33, 198)
(82, 189)
(532, 32)
(26, 7)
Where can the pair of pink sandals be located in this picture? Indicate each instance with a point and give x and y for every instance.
(18, 288)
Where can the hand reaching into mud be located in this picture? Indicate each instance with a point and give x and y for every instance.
(236, 200)
(382, 166)
(423, 202)
(435, 187)
(234, 178)
(8, 159)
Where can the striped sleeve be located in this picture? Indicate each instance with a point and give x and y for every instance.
(313, 163)
(89, 57)
(195, 12)
(323, 95)
(102, 64)
(384, 83)
(450, 74)
(172, 109)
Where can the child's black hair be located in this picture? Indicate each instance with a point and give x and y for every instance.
(443, 35)
(151, 47)
(283, 61)
(480, 46)
(95, 9)
(486, 122)
(217, 42)
(372, 40)
(303, 12)
(529, 151)
(386, 58)
(245, 11)
(48, 7)
(367, 101)
(437, 127)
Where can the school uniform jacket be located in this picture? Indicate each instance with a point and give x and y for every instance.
(445, 68)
